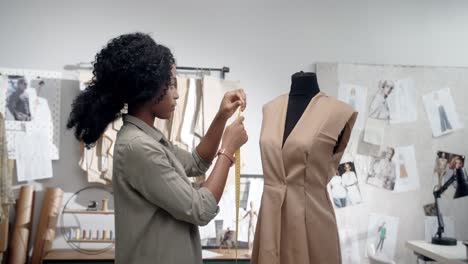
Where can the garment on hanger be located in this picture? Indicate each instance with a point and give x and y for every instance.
(6, 193)
(192, 126)
(296, 223)
(97, 161)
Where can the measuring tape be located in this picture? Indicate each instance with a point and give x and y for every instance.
(237, 183)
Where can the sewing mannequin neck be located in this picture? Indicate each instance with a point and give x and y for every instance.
(304, 87)
(304, 84)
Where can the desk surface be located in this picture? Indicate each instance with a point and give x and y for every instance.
(70, 254)
(442, 254)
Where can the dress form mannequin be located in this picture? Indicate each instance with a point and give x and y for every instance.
(304, 87)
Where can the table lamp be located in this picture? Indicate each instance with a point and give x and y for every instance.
(461, 191)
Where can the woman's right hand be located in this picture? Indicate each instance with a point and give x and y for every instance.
(235, 135)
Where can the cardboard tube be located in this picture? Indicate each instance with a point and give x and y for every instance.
(47, 223)
(22, 227)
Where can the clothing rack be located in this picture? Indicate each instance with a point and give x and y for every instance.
(223, 70)
(88, 66)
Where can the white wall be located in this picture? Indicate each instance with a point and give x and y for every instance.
(263, 42)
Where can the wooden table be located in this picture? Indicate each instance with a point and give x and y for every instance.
(441, 254)
(71, 256)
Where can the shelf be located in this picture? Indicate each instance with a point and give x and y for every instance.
(89, 241)
(77, 211)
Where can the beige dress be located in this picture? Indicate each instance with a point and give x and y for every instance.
(296, 222)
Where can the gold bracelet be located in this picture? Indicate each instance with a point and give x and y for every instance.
(223, 152)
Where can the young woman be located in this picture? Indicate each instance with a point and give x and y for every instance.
(157, 210)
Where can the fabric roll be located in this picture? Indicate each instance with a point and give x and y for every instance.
(22, 227)
(47, 223)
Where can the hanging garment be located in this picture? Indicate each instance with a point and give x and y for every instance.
(97, 161)
(191, 132)
(296, 223)
(175, 123)
(6, 193)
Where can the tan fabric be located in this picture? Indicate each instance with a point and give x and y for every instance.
(97, 161)
(157, 210)
(6, 193)
(178, 115)
(296, 222)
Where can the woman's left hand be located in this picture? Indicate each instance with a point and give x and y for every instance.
(231, 101)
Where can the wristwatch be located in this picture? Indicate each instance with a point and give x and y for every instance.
(223, 152)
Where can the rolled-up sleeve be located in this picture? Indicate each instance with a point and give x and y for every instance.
(150, 172)
(193, 164)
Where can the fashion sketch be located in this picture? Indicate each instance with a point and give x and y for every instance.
(444, 121)
(382, 234)
(382, 171)
(441, 112)
(382, 230)
(379, 108)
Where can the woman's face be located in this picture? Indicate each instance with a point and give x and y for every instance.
(166, 106)
(347, 167)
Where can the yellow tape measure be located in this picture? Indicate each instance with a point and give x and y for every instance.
(237, 182)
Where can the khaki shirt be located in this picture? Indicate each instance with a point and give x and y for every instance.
(157, 210)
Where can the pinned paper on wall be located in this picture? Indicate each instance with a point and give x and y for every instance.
(382, 170)
(402, 102)
(407, 177)
(445, 165)
(441, 111)
(356, 96)
(375, 131)
(344, 187)
(32, 155)
(349, 245)
(30, 100)
(382, 235)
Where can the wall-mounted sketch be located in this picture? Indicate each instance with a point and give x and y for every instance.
(30, 101)
(356, 96)
(379, 107)
(407, 177)
(382, 171)
(441, 112)
(349, 245)
(382, 235)
(402, 102)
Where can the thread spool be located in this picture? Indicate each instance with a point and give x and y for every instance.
(105, 205)
(77, 234)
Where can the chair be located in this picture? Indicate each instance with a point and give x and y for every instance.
(374, 259)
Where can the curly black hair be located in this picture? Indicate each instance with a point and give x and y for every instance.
(130, 69)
